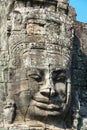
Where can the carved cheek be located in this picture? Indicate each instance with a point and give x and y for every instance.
(60, 89)
(24, 97)
(33, 86)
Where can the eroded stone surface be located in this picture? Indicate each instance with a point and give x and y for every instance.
(42, 66)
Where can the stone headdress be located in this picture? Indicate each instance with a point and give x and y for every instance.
(41, 32)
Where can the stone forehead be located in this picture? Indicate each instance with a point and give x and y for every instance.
(38, 58)
(42, 48)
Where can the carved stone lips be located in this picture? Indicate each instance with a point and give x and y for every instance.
(41, 99)
(45, 104)
(44, 109)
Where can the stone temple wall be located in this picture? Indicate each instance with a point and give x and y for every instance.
(81, 31)
(43, 66)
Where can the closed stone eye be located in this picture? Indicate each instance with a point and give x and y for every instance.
(36, 77)
(61, 79)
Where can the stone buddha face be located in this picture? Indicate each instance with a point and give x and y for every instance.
(45, 90)
(40, 85)
(50, 98)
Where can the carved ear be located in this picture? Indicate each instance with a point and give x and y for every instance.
(68, 91)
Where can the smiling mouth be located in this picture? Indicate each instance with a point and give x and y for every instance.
(46, 104)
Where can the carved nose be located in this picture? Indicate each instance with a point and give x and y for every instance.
(48, 88)
(47, 92)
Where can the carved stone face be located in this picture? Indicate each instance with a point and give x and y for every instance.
(44, 91)
(50, 98)
(40, 81)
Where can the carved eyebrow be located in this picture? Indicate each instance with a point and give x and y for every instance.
(35, 72)
(59, 71)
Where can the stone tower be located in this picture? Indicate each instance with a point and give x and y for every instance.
(40, 50)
